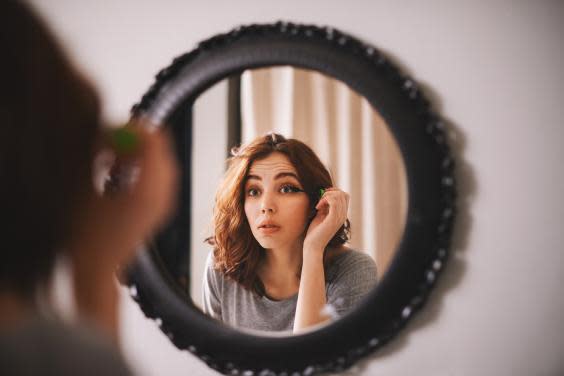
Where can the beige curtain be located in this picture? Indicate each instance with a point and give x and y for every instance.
(350, 138)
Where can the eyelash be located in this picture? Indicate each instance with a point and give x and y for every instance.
(293, 189)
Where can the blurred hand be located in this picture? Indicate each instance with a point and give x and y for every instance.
(110, 227)
(331, 215)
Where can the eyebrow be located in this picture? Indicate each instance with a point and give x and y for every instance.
(278, 176)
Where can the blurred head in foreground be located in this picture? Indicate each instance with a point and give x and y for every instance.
(49, 119)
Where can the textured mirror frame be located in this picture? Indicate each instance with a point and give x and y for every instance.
(421, 253)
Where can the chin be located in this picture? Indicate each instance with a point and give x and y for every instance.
(266, 244)
(270, 242)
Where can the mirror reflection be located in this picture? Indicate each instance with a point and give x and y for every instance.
(304, 218)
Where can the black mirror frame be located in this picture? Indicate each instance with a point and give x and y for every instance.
(422, 252)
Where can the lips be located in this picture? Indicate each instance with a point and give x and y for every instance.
(268, 227)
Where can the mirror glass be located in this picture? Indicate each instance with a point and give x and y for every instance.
(356, 147)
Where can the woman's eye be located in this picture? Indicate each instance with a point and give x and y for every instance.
(289, 189)
(252, 192)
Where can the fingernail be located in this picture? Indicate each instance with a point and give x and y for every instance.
(321, 192)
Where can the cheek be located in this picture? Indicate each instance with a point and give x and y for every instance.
(299, 213)
(250, 211)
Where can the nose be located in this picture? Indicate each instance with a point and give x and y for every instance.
(267, 204)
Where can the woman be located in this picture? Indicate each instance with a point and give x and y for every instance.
(50, 133)
(280, 262)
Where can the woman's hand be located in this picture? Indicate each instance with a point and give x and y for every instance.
(331, 215)
(111, 226)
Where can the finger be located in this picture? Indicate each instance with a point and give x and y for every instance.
(322, 203)
(345, 208)
(337, 201)
(158, 175)
(335, 191)
(334, 205)
(151, 195)
(344, 198)
(331, 189)
(335, 196)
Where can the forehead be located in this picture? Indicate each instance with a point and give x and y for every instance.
(272, 164)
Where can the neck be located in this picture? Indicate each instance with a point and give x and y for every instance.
(284, 259)
(279, 271)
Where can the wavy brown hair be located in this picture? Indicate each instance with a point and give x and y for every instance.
(237, 253)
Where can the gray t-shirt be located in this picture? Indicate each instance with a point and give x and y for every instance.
(348, 278)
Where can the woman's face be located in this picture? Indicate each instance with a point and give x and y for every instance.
(275, 205)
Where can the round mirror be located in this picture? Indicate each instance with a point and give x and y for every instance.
(352, 141)
(343, 130)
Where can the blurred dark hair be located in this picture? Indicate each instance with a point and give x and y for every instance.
(49, 117)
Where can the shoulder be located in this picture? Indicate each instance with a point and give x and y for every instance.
(210, 261)
(49, 345)
(214, 277)
(349, 257)
(356, 264)
(349, 278)
(211, 271)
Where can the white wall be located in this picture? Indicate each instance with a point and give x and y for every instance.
(493, 70)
